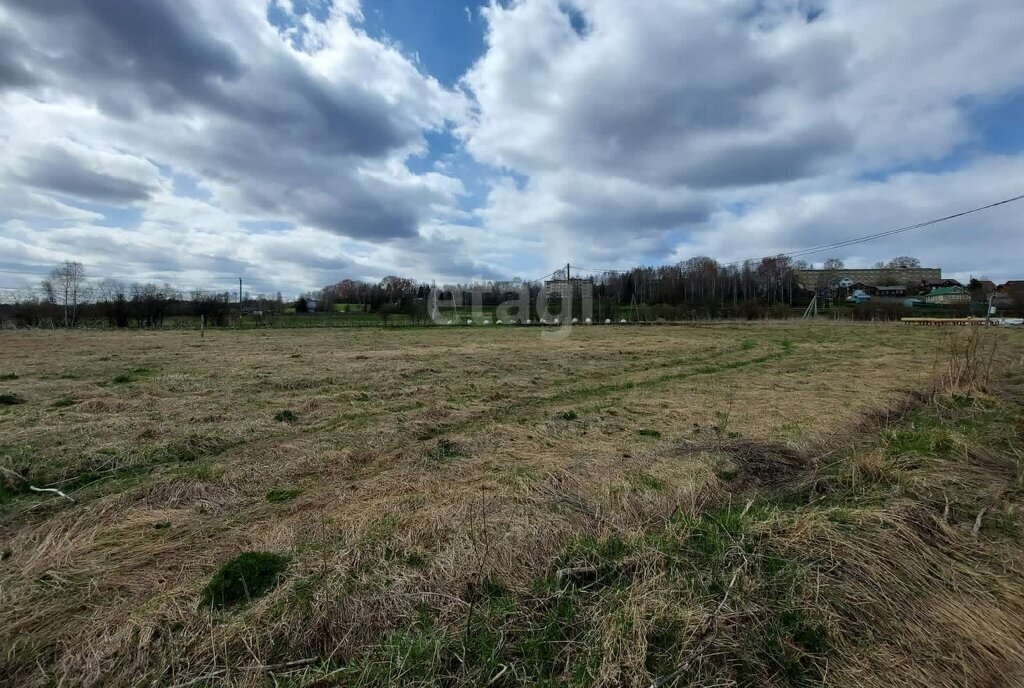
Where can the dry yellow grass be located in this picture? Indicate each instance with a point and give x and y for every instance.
(423, 461)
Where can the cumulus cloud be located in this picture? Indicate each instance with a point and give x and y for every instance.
(813, 214)
(631, 121)
(108, 100)
(187, 139)
(88, 174)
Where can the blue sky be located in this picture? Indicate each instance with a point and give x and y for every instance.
(300, 142)
(446, 35)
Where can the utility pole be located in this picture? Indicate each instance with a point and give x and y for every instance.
(239, 299)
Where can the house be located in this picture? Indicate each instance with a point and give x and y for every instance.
(937, 283)
(1011, 287)
(859, 296)
(1009, 294)
(891, 291)
(948, 295)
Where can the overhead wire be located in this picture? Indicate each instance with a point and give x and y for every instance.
(848, 242)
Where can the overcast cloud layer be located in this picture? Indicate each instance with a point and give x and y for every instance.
(194, 141)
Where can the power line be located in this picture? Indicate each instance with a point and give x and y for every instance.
(540, 279)
(791, 254)
(851, 242)
(898, 230)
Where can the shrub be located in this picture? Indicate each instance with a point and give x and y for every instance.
(285, 416)
(10, 400)
(246, 577)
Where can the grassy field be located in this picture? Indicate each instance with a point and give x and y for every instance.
(736, 504)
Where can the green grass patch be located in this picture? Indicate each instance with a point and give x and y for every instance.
(446, 450)
(246, 577)
(11, 490)
(641, 481)
(647, 432)
(923, 435)
(7, 399)
(63, 403)
(570, 415)
(285, 416)
(189, 448)
(726, 475)
(278, 495)
(200, 471)
(559, 633)
(4, 377)
(131, 376)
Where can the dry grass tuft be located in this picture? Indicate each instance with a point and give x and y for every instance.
(818, 523)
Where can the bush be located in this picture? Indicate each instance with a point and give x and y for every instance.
(246, 577)
(285, 416)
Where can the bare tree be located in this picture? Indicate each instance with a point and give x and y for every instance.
(904, 262)
(111, 297)
(151, 301)
(834, 264)
(68, 288)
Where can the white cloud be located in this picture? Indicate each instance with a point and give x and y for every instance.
(596, 131)
(310, 128)
(632, 122)
(817, 213)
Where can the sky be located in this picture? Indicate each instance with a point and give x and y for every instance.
(295, 143)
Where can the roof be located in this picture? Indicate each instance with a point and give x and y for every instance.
(946, 291)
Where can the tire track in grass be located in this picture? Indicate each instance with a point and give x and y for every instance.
(360, 419)
(604, 390)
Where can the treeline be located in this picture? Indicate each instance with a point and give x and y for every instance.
(697, 282)
(68, 298)
(695, 289)
(704, 282)
(392, 295)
